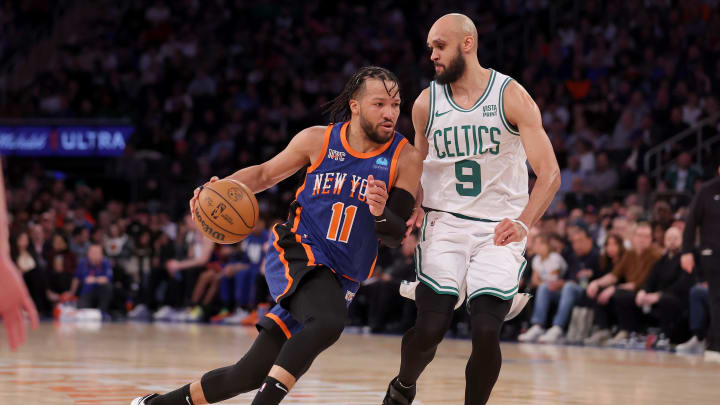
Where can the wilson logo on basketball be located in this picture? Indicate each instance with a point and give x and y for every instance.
(217, 211)
(235, 194)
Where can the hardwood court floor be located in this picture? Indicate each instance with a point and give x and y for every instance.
(112, 363)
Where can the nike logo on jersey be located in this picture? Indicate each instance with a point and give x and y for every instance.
(381, 220)
(439, 114)
(281, 387)
(187, 398)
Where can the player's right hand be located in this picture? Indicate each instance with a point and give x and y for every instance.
(196, 193)
(14, 298)
(418, 214)
(415, 220)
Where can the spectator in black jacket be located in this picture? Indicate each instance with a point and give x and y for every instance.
(665, 295)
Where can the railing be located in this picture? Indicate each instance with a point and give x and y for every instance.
(655, 154)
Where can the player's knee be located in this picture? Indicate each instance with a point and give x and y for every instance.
(430, 332)
(327, 329)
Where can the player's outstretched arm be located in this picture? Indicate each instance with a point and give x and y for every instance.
(303, 149)
(522, 111)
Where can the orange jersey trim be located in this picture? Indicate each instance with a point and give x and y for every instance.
(319, 160)
(360, 155)
(372, 268)
(395, 158)
(280, 323)
(281, 255)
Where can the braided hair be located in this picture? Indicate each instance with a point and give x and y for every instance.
(338, 109)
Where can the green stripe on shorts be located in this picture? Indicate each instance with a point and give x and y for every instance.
(427, 280)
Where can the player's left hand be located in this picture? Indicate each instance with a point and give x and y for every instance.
(376, 195)
(507, 232)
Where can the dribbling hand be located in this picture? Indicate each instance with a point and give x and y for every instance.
(507, 232)
(196, 193)
(376, 196)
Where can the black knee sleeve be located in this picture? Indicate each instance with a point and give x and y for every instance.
(435, 312)
(319, 304)
(487, 314)
(419, 344)
(325, 329)
(248, 373)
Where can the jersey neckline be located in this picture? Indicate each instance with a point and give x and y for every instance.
(361, 155)
(481, 99)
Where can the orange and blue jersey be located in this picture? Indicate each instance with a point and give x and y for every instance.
(330, 223)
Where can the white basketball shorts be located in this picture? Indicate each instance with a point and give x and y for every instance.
(456, 256)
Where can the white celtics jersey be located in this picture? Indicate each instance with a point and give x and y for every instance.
(476, 163)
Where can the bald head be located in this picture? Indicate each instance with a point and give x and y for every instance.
(455, 25)
(453, 47)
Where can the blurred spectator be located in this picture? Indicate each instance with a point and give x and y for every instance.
(80, 242)
(583, 265)
(93, 281)
(664, 296)
(682, 175)
(26, 260)
(624, 280)
(63, 264)
(243, 281)
(378, 299)
(548, 268)
(604, 178)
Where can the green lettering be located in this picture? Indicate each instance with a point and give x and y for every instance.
(475, 140)
(457, 145)
(467, 140)
(447, 142)
(492, 139)
(481, 128)
(437, 150)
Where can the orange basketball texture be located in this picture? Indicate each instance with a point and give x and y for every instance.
(226, 211)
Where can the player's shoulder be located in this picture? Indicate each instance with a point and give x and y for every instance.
(423, 99)
(310, 137)
(421, 107)
(409, 155)
(316, 131)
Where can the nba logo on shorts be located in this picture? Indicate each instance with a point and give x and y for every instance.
(349, 295)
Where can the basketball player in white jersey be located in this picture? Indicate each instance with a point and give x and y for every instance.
(476, 128)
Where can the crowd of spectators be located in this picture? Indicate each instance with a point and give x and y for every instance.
(224, 84)
(214, 86)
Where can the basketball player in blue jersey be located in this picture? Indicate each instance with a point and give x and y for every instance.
(359, 185)
(476, 129)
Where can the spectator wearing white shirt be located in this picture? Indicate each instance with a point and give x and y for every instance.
(548, 268)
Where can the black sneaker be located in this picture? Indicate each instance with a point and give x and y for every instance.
(399, 395)
(143, 400)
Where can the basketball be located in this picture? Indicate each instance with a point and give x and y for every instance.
(226, 211)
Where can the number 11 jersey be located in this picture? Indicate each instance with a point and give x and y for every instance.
(330, 221)
(476, 164)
